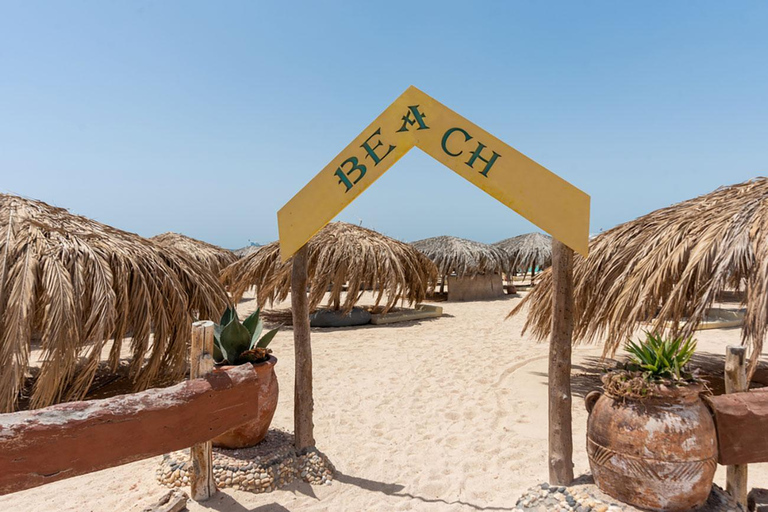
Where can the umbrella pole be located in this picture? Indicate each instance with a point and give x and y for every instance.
(560, 434)
(303, 406)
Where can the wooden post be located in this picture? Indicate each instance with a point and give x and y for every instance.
(560, 435)
(303, 404)
(735, 382)
(202, 484)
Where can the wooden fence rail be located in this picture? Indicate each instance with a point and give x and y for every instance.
(65, 440)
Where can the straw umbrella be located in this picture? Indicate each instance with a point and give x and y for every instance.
(248, 249)
(340, 254)
(529, 251)
(669, 266)
(472, 269)
(76, 283)
(210, 256)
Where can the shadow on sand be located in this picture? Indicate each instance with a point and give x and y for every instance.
(397, 490)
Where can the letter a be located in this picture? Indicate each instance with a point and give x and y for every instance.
(419, 118)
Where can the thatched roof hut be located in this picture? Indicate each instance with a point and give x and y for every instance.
(76, 283)
(248, 249)
(211, 256)
(341, 256)
(669, 266)
(530, 251)
(472, 269)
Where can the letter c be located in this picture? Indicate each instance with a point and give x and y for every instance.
(448, 134)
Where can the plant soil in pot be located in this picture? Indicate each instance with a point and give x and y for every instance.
(651, 440)
(238, 343)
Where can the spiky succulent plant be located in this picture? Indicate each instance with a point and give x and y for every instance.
(660, 358)
(237, 343)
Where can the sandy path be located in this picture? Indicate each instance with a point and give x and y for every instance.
(439, 415)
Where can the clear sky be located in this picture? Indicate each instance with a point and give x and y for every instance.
(206, 117)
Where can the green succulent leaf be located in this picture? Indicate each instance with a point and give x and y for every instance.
(219, 355)
(229, 315)
(661, 357)
(255, 326)
(235, 339)
(235, 342)
(263, 342)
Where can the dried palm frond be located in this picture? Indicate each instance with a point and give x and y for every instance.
(531, 251)
(245, 251)
(211, 256)
(341, 256)
(667, 268)
(77, 283)
(464, 257)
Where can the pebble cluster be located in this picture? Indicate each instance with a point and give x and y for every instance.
(588, 498)
(270, 465)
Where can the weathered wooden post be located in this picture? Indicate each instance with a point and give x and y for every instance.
(303, 405)
(735, 382)
(202, 484)
(560, 434)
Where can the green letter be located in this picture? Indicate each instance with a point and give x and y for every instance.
(448, 134)
(371, 150)
(476, 155)
(419, 119)
(343, 179)
(355, 167)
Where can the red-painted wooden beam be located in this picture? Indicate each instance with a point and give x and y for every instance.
(65, 440)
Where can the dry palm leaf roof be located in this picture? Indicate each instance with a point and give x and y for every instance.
(669, 266)
(528, 251)
(339, 254)
(248, 249)
(464, 257)
(76, 283)
(211, 256)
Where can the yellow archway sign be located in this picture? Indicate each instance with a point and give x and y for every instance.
(416, 119)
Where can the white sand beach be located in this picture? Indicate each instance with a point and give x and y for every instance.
(447, 414)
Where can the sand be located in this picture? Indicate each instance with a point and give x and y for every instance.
(447, 414)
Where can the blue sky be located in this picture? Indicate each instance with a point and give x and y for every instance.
(206, 117)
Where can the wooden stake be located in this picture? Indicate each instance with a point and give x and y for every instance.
(303, 404)
(202, 484)
(560, 434)
(736, 382)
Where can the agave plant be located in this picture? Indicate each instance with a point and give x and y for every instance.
(660, 358)
(237, 343)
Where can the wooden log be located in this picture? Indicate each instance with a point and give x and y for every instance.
(44, 445)
(740, 419)
(303, 403)
(560, 434)
(201, 482)
(736, 382)
(172, 501)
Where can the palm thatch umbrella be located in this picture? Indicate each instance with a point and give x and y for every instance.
(210, 256)
(523, 252)
(340, 254)
(76, 283)
(472, 269)
(248, 249)
(667, 268)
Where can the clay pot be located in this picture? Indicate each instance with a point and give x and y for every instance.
(248, 434)
(658, 453)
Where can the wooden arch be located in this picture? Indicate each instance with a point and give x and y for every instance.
(539, 195)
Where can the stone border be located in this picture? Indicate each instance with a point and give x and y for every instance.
(272, 464)
(586, 497)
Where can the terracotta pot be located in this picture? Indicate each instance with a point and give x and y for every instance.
(248, 434)
(658, 453)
